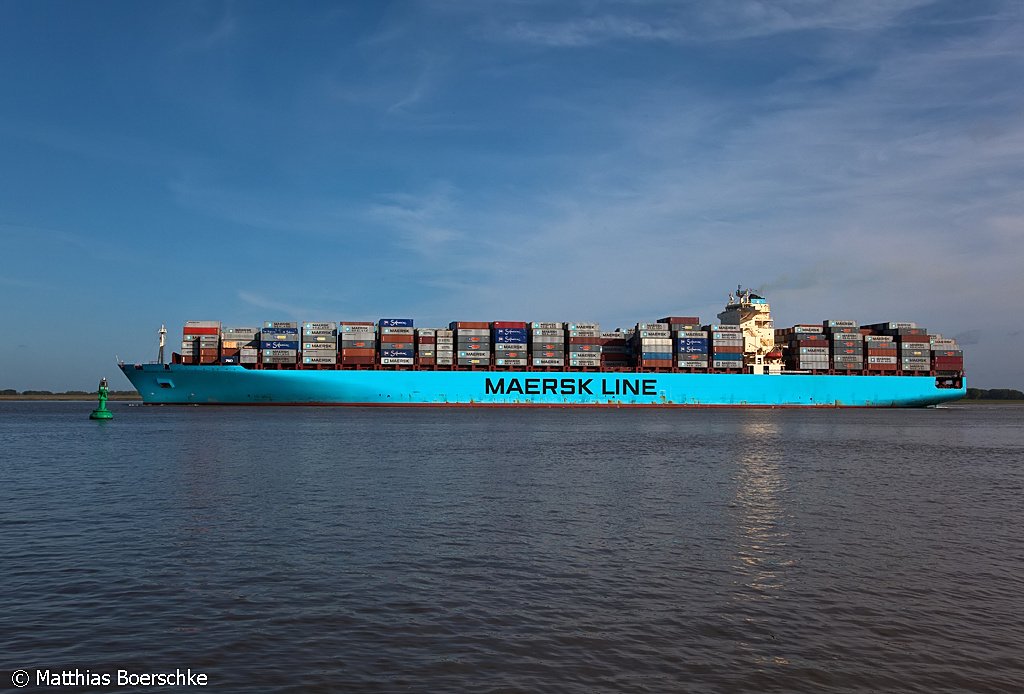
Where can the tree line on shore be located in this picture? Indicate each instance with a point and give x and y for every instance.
(12, 391)
(994, 394)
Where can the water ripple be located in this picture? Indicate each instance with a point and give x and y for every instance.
(366, 550)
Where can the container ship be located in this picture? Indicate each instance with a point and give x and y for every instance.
(742, 360)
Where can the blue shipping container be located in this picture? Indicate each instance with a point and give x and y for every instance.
(229, 360)
(728, 357)
(691, 342)
(692, 350)
(656, 355)
(510, 339)
(280, 331)
(274, 344)
(395, 322)
(397, 353)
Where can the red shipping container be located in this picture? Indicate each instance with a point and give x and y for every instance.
(357, 360)
(200, 331)
(686, 320)
(355, 322)
(726, 349)
(357, 353)
(656, 362)
(881, 367)
(584, 340)
(508, 324)
(425, 340)
(471, 325)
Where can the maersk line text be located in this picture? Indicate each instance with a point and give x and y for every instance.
(570, 386)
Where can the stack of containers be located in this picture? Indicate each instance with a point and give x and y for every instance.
(396, 342)
(880, 353)
(690, 342)
(200, 342)
(425, 344)
(805, 347)
(846, 345)
(239, 345)
(614, 352)
(726, 346)
(472, 342)
(652, 345)
(947, 357)
(914, 349)
(583, 341)
(319, 344)
(547, 345)
(358, 342)
(445, 347)
(912, 344)
(510, 344)
(279, 343)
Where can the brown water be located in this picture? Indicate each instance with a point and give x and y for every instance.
(337, 549)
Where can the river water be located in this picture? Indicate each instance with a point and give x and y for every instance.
(433, 550)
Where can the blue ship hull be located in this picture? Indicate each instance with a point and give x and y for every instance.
(236, 385)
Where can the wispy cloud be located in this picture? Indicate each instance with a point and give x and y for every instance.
(20, 283)
(425, 222)
(278, 307)
(674, 22)
(214, 31)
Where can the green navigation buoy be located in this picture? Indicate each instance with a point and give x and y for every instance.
(103, 393)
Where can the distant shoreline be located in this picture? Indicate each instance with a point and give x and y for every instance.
(70, 397)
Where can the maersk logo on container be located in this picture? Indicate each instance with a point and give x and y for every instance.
(619, 386)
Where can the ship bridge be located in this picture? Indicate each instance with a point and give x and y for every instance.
(753, 314)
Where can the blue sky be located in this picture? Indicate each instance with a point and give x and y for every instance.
(519, 160)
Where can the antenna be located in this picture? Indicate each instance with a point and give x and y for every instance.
(163, 336)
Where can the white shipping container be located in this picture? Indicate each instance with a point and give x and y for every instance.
(319, 360)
